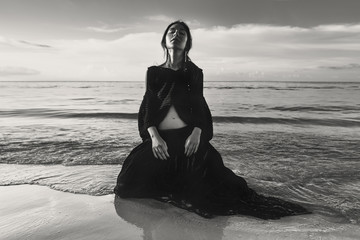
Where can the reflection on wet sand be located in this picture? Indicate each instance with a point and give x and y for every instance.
(163, 221)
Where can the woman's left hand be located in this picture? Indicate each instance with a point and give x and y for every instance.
(192, 142)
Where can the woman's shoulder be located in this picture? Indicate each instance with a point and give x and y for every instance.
(157, 69)
(195, 72)
(189, 65)
(154, 71)
(153, 68)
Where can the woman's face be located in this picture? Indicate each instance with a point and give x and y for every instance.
(176, 37)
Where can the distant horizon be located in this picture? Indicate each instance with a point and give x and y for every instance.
(138, 81)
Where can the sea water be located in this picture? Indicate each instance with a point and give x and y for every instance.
(299, 141)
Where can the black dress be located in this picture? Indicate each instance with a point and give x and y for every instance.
(199, 183)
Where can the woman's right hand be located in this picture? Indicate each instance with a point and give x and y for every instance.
(159, 146)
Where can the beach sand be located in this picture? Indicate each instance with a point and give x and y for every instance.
(38, 212)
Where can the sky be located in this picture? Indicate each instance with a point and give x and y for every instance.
(233, 40)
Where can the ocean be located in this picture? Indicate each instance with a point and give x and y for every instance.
(299, 141)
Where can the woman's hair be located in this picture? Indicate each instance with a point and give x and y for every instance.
(188, 42)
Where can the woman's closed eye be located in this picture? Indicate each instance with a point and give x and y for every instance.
(181, 32)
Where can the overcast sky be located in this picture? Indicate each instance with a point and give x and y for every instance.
(271, 40)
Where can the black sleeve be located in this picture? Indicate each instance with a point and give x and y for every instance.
(197, 98)
(201, 111)
(146, 116)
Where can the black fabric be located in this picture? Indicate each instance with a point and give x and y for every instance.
(184, 90)
(200, 183)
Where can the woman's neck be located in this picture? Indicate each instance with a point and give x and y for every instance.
(175, 59)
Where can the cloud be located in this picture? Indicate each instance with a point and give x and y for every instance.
(13, 71)
(194, 23)
(161, 18)
(351, 66)
(22, 43)
(240, 52)
(105, 28)
(276, 41)
(349, 28)
(122, 59)
(35, 44)
(246, 49)
(270, 34)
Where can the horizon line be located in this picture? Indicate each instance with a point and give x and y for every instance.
(302, 81)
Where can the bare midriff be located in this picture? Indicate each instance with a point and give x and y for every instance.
(172, 120)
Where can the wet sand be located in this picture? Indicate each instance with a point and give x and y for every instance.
(34, 212)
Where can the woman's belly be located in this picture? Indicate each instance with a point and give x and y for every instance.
(172, 120)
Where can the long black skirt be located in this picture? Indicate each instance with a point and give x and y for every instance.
(199, 183)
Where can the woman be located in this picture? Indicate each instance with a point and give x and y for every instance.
(176, 163)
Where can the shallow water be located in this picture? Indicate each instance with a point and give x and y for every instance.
(297, 141)
(48, 214)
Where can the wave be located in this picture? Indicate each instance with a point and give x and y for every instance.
(317, 108)
(288, 88)
(287, 121)
(43, 112)
(48, 113)
(82, 99)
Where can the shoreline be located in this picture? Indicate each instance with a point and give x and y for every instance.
(38, 212)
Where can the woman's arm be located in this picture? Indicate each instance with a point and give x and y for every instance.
(197, 99)
(200, 110)
(147, 108)
(159, 146)
(193, 141)
(197, 110)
